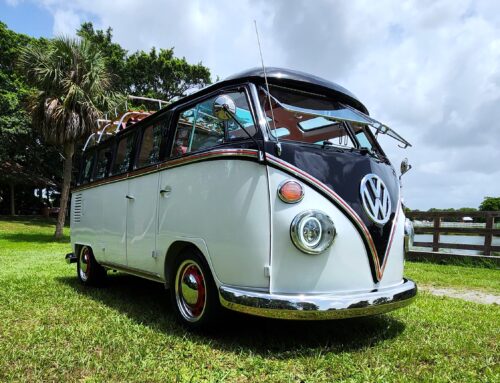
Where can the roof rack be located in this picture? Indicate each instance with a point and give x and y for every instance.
(107, 127)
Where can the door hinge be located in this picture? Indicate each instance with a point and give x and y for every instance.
(155, 254)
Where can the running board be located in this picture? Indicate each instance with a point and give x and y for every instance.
(133, 271)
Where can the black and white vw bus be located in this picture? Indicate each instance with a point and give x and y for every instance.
(273, 199)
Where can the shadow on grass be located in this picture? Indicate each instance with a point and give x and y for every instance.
(30, 220)
(148, 303)
(34, 238)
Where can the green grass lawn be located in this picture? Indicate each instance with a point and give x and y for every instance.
(53, 329)
(458, 277)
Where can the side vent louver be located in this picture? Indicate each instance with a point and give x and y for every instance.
(77, 208)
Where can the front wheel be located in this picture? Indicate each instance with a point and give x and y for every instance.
(88, 270)
(193, 292)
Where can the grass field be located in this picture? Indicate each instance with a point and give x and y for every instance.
(53, 329)
(458, 277)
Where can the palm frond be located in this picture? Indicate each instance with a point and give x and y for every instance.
(75, 88)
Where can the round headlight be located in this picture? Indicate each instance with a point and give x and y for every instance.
(312, 231)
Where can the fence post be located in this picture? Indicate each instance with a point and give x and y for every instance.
(435, 234)
(488, 235)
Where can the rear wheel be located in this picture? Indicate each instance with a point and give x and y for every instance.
(88, 270)
(193, 291)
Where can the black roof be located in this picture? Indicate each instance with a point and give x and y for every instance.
(302, 79)
(283, 77)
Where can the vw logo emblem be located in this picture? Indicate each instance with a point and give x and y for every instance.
(376, 198)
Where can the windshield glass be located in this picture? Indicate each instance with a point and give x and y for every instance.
(307, 117)
(303, 126)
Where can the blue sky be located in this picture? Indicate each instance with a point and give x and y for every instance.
(430, 69)
(27, 18)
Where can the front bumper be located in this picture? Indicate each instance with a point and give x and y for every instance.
(318, 306)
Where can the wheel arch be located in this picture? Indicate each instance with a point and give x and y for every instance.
(177, 247)
(77, 247)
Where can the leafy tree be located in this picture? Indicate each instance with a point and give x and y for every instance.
(20, 145)
(490, 204)
(157, 74)
(73, 89)
(114, 55)
(14, 121)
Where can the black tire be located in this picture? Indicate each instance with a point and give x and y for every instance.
(88, 270)
(193, 292)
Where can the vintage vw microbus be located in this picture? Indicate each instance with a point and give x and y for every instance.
(265, 193)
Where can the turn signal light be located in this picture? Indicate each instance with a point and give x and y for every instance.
(290, 191)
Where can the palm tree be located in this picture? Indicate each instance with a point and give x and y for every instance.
(73, 88)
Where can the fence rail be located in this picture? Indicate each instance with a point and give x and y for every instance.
(487, 230)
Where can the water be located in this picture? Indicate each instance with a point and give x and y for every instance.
(462, 239)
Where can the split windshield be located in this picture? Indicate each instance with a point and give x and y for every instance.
(316, 119)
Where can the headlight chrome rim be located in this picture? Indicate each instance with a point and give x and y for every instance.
(327, 232)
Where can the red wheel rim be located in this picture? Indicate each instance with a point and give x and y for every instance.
(190, 290)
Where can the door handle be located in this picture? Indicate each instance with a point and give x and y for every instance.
(166, 189)
(129, 196)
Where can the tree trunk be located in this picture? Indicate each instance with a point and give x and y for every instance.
(12, 201)
(69, 149)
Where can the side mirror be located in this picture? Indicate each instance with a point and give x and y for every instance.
(222, 105)
(405, 166)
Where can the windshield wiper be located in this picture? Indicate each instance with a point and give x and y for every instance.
(378, 126)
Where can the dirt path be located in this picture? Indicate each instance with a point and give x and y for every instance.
(467, 295)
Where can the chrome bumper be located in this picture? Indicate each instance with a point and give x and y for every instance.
(70, 258)
(318, 306)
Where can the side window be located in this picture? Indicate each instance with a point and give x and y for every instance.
(103, 165)
(88, 164)
(150, 145)
(198, 128)
(124, 153)
(244, 117)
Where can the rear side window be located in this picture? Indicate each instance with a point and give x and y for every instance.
(198, 129)
(124, 154)
(88, 164)
(150, 145)
(103, 165)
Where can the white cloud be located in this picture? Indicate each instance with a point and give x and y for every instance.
(65, 22)
(430, 69)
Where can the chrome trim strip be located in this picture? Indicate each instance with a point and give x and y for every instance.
(133, 271)
(318, 306)
(171, 163)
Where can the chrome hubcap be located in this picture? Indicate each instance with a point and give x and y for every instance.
(190, 290)
(84, 263)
